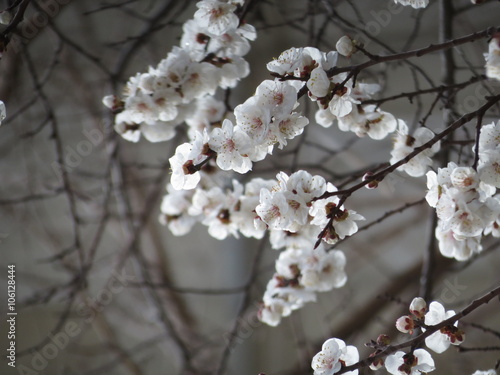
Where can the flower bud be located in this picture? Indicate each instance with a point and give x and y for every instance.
(405, 324)
(345, 46)
(113, 103)
(383, 340)
(418, 307)
(372, 184)
(376, 364)
(5, 17)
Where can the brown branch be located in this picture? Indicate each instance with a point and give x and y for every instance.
(429, 331)
(439, 89)
(377, 59)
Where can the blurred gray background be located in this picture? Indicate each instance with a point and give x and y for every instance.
(105, 211)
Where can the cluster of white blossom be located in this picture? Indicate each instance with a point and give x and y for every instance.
(268, 118)
(229, 211)
(262, 121)
(300, 273)
(336, 96)
(288, 206)
(414, 3)
(293, 206)
(420, 360)
(180, 88)
(419, 316)
(291, 209)
(465, 206)
(493, 58)
(295, 215)
(338, 100)
(335, 354)
(265, 119)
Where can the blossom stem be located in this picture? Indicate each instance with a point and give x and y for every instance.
(377, 59)
(431, 329)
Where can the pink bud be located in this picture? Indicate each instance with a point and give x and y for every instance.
(383, 340)
(405, 324)
(376, 364)
(418, 307)
(372, 184)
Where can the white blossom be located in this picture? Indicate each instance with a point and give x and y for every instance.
(300, 273)
(272, 312)
(489, 137)
(493, 58)
(416, 363)
(231, 145)
(322, 271)
(273, 208)
(184, 175)
(493, 228)
(464, 206)
(368, 120)
(487, 372)
(217, 16)
(174, 211)
(279, 97)
(404, 144)
(454, 246)
(489, 151)
(3, 112)
(287, 62)
(243, 217)
(342, 102)
(253, 119)
(333, 355)
(440, 341)
(343, 224)
(209, 56)
(305, 236)
(288, 127)
(299, 62)
(414, 3)
(232, 70)
(324, 117)
(319, 83)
